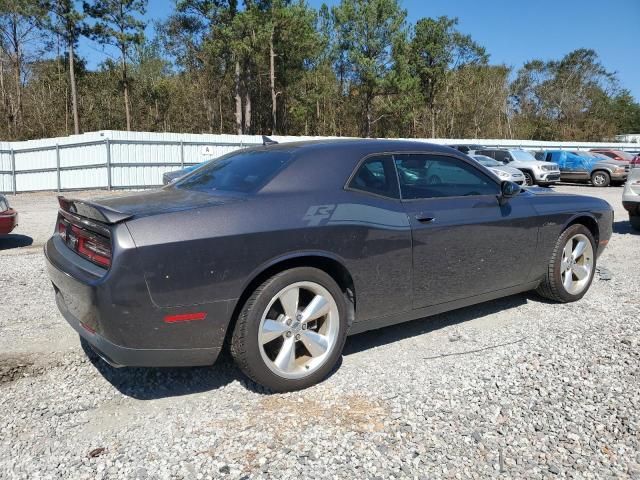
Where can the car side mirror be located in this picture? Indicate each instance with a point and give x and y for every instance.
(508, 190)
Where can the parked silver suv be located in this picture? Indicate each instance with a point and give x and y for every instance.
(535, 172)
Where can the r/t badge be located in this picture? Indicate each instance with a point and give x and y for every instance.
(317, 213)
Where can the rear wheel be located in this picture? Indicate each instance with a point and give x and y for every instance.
(291, 331)
(600, 179)
(572, 265)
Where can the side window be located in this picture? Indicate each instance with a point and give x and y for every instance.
(487, 153)
(376, 175)
(434, 176)
(499, 155)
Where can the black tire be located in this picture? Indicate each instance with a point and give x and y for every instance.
(551, 286)
(244, 341)
(600, 179)
(529, 180)
(635, 222)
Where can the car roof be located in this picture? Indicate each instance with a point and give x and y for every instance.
(356, 145)
(328, 163)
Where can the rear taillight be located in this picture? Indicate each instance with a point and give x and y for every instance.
(62, 230)
(92, 246)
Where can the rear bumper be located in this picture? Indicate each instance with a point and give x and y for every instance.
(120, 356)
(632, 207)
(116, 317)
(8, 221)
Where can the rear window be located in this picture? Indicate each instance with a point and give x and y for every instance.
(626, 156)
(242, 171)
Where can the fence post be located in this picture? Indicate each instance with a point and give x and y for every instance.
(181, 154)
(58, 165)
(108, 144)
(13, 171)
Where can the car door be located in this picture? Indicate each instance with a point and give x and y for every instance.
(575, 167)
(464, 242)
(377, 238)
(560, 159)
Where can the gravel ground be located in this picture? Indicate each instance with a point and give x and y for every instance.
(515, 388)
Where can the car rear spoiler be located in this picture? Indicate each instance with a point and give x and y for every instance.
(92, 211)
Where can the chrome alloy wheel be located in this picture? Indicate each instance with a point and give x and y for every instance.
(599, 179)
(577, 264)
(298, 330)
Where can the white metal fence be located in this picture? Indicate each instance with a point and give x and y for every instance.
(133, 160)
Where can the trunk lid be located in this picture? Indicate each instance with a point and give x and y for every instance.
(111, 210)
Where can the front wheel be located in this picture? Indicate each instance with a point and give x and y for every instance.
(600, 179)
(571, 267)
(528, 179)
(291, 331)
(635, 222)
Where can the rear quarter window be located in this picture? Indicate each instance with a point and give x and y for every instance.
(244, 171)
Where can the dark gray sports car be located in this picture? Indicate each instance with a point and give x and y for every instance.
(281, 251)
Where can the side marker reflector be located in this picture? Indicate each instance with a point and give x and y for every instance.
(185, 317)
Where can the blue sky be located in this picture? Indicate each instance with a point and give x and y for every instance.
(514, 31)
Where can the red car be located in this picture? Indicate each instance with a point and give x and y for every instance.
(8, 216)
(618, 155)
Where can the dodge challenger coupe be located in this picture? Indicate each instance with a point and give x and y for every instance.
(279, 252)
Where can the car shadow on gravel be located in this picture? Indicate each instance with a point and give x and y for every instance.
(402, 331)
(624, 227)
(8, 242)
(155, 383)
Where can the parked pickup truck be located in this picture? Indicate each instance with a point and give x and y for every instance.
(591, 167)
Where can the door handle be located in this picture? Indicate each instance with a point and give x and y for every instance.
(424, 218)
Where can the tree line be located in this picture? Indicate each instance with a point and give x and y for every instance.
(281, 67)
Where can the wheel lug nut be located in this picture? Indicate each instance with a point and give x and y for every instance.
(298, 336)
(289, 321)
(288, 334)
(304, 326)
(299, 317)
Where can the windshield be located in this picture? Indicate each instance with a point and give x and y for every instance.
(487, 161)
(243, 171)
(522, 155)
